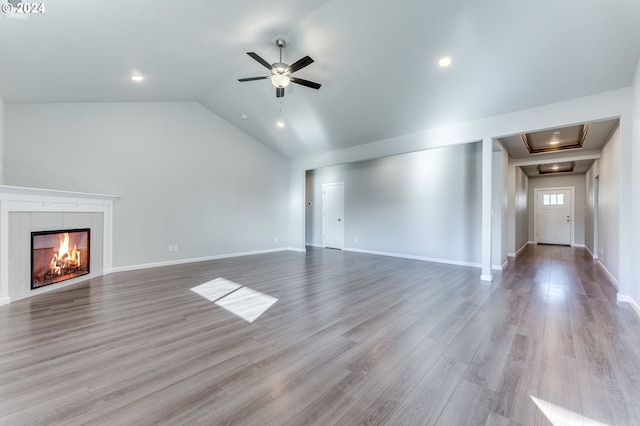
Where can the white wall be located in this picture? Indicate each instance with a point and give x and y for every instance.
(521, 208)
(424, 204)
(634, 285)
(1, 140)
(579, 203)
(187, 177)
(608, 237)
(500, 163)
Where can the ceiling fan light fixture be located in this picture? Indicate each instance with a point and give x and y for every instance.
(444, 62)
(280, 80)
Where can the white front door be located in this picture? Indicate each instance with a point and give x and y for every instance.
(333, 215)
(554, 216)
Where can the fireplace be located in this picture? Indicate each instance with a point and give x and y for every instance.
(58, 256)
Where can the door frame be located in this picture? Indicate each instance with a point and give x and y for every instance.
(572, 208)
(324, 217)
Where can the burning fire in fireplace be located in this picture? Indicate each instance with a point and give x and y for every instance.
(58, 256)
(65, 259)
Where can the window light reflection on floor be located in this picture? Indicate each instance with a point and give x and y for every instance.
(244, 302)
(216, 289)
(559, 416)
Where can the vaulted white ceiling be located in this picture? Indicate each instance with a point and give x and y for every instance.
(376, 60)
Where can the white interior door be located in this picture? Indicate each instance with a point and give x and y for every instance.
(333, 215)
(554, 216)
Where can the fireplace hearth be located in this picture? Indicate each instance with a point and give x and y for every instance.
(58, 256)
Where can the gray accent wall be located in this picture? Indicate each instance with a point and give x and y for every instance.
(187, 177)
(579, 203)
(521, 208)
(424, 204)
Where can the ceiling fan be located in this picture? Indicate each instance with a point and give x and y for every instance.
(281, 72)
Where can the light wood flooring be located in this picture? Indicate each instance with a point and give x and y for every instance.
(352, 339)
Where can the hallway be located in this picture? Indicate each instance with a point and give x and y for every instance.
(588, 361)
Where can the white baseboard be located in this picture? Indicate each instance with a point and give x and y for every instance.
(524, 246)
(594, 256)
(579, 245)
(533, 243)
(486, 277)
(500, 267)
(5, 300)
(299, 250)
(314, 245)
(613, 279)
(195, 259)
(408, 256)
(628, 299)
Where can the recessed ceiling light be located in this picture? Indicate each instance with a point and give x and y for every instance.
(137, 77)
(280, 123)
(444, 62)
(554, 142)
(557, 133)
(556, 167)
(244, 116)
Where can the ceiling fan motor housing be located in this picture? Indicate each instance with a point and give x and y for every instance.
(280, 68)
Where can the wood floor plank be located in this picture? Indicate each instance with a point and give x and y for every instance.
(469, 405)
(353, 338)
(487, 364)
(379, 404)
(512, 400)
(426, 401)
(559, 383)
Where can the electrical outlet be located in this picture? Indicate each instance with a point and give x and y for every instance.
(275, 239)
(170, 249)
(175, 247)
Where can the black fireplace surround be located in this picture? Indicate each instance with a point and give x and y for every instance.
(59, 255)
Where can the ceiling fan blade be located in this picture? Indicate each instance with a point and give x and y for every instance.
(253, 78)
(264, 63)
(279, 92)
(304, 82)
(300, 64)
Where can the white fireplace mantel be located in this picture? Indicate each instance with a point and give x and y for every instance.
(21, 199)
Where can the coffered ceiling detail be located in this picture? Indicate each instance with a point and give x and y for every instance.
(555, 139)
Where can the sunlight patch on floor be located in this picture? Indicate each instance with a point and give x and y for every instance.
(216, 289)
(559, 416)
(244, 302)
